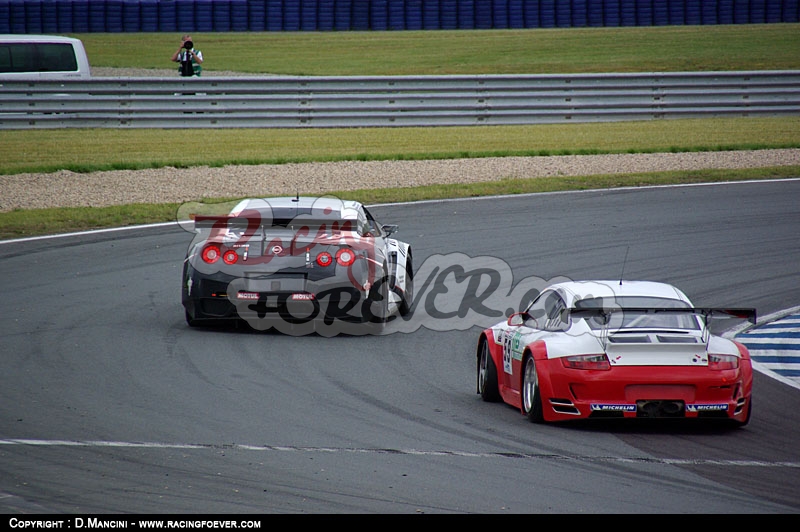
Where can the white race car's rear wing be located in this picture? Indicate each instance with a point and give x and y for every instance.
(226, 222)
(707, 313)
(207, 221)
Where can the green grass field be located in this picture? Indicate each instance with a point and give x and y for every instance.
(653, 49)
(531, 51)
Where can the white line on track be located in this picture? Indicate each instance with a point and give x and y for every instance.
(399, 452)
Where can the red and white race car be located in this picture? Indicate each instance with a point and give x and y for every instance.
(614, 349)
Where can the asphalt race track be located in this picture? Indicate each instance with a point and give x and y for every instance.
(110, 403)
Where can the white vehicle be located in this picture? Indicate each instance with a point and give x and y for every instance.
(42, 57)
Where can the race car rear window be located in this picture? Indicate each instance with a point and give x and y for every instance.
(297, 223)
(639, 320)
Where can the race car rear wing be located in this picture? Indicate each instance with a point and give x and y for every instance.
(707, 313)
(254, 222)
(206, 221)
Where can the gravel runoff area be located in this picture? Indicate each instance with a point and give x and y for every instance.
(177, 185)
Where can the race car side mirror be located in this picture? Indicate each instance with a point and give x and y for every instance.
(389, 229)
(517, 319)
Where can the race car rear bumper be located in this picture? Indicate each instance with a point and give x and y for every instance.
(644, 392)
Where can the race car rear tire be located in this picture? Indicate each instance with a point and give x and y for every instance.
(375, 311)
(196, 322)
(407, 298)
(487, 375)
(531, 396)
(200, 322)
(747, 417)
(749, 412)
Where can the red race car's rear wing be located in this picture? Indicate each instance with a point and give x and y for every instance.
(748, 314)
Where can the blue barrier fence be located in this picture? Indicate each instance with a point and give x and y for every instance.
(114, 16)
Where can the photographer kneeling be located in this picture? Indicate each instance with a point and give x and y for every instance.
(190, 60)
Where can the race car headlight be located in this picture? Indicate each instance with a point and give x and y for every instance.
(598, 362)
(722, 362)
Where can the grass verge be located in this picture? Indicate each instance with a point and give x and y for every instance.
(87, 150)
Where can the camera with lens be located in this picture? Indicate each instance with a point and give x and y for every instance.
(188, 45)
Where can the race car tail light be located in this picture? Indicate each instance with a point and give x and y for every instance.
(230, 257)
(324, 259)
(345, 257)
(211, 253)
(598, 362)
(722, 362)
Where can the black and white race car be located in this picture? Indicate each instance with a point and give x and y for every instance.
(298, 265)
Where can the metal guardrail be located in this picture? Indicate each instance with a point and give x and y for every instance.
(389, 101)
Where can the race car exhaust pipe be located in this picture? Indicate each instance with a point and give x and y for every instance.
(659, 408)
